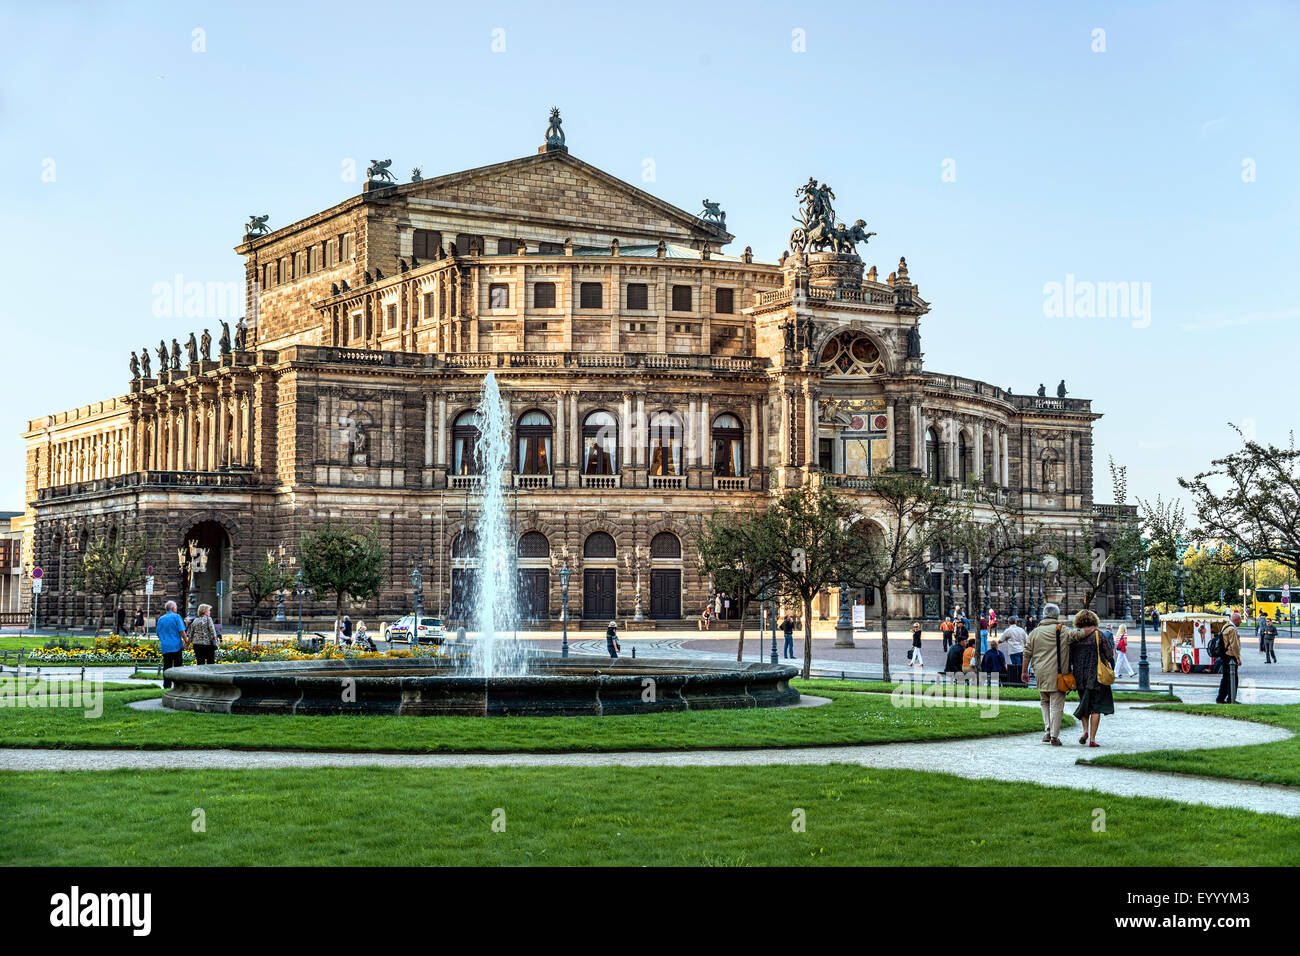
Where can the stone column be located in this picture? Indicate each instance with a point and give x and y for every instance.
(706, 436)
(889, 434)
(810, 416)
(442, 431)
(639, 434)
(428, 431)
(626, 455)
(573, 432)
(690, 451)
(222, 415)
(979, 452)
(561, 438)
(753, 435)
(1006, 466)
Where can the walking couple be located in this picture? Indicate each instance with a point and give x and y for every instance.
(1064, 658)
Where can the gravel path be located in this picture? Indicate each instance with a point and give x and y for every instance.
(1022, 757)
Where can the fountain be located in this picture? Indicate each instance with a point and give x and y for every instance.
(499, 675)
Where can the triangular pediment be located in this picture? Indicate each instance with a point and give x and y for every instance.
(557, 187)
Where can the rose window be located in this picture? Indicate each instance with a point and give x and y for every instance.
(852, 354)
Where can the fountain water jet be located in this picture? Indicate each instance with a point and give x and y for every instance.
(496, 652)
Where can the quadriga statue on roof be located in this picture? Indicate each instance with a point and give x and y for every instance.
(818, 229)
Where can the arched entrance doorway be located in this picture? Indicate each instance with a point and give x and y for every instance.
(464, 575)
(211, 537)
(599, 576)
(665, 576)
(534, 590)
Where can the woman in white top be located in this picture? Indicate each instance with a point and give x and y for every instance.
(1122, 666)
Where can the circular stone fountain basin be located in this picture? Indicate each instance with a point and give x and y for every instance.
(554, 687)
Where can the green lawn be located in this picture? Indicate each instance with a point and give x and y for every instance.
(1263, 763)
(606, 816)
(13, 642)
(818, 685)
(72, 685)
(848, 719)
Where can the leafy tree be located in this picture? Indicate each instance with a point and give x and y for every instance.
(1165, 526)
(905, 518)
(1097, 568)
(1209, 571)
(342, 562)
(805, 542)
(109, 568)
(732, 549)
(994, 532)
(1251, 500)
(262, 580)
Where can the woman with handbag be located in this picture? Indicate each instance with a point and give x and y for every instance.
(1092, 662)
(202, 633)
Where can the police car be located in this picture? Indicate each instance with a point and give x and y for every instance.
(431, 630)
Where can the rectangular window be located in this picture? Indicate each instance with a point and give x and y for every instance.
(428, 305)
(590, 295)
(345, 247)
(543, 295)
(724, 301)
(425, 244)
(498, 296)
(638, 296)
(681, 298)
(467, 244)
(507, 247)
(550, 248)
(392, 316)
(356, 325)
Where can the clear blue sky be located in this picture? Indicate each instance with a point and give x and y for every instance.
(1116, 166)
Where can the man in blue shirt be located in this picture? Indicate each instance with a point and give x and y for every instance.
(171, 639)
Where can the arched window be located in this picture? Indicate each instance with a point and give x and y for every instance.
(599, 545)
(932, 455)
(464, 436)
(728, 447)
(665, 545)
(665, 444)
(599, 444)
(534, 444)
(851, 353)
(963, 458)
(534, 545)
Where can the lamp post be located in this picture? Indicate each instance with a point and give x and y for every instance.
(1180, 575)
(564, 613)
(1015, 575)
(193, 560)
(300, 590)
(771, 596)
(1128, 598)
(1144, 666)
(417, 592)
(279, 594)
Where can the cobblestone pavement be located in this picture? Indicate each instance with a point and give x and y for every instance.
(1022, 757)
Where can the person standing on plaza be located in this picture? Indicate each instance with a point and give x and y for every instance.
(203, 636)
(1086, 657)
(984, 632)
(1012, 646)
(1047, 651)
(993, 623)
(611, 640)
(171, 640)
(1123, 668)
(787, 627)
(914, 655)
(1231, 659)
(945, 630)
(1267, 635)
(137, 625)
(120, 620)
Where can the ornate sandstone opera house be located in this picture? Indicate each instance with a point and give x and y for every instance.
(651, 378)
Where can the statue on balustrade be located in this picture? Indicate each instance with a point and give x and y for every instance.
(205, 346)
(1060, 389)
(914, 342)
(192, 348)
(162, 356)
(241, 336)
(176, 355)
(223, 343)
(1042, 390)
(144, 364)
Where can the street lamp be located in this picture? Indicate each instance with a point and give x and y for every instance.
(1015, 575)
(1180, 575)
(193, 560)
(564, 613)
(1144, 666)
(299, 590)
(771, 596)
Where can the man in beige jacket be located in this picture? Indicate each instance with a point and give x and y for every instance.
(1041, 651)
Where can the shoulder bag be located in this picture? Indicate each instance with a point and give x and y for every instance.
(1105, 673)
(1064, 682)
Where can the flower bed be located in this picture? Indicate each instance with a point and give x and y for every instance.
(115, 649)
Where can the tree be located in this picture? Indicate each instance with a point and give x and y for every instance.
(894, 537)
(262, 580)
(994, 532)
(1211, 571)
(342, 562)
(1097, 566)
(1251, 500)
(732, 550)
(1165, 526)
(109, 568)
(805, 542)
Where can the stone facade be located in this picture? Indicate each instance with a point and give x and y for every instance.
(720, 380)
